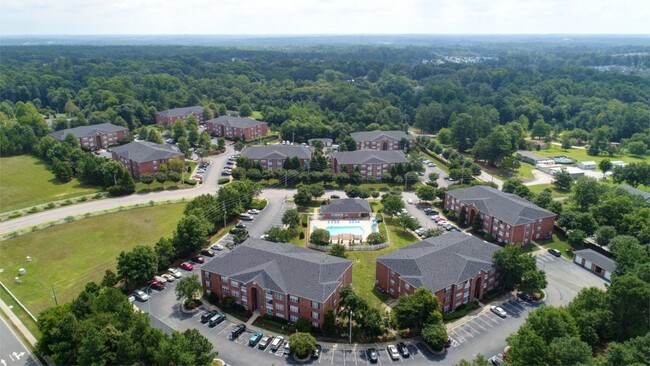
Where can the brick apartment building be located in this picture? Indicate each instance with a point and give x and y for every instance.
(346, 208)
(370, 163)
(455, 267)
(237, 127)
(509, 217)
(141, 157)
(381, 140)
(169, 116)
(279, 279)
(94, 137)
(273, 156)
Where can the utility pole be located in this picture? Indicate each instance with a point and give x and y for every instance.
(54, 296)
(406, 181)
(350, 322)
(285, 178)
(224, 214)
(293, 137)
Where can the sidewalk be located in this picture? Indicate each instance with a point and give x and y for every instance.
(16, 322)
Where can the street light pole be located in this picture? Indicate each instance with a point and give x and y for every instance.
(350, 322)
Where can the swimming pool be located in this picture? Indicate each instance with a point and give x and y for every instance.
(336, 230)
(562, 160)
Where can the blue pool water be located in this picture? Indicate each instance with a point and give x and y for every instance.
(562, 160)
(356, 230)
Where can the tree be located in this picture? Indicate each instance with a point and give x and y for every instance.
(478, 361)
(586, 192)
(512, 264)
(221, 143)
(540, 129)
(563, 180)
(375, 238)
(433, 176)
(462, 217)
(392, 203)
(605, 165)
(165, 252)
(629, 299)
(302, 344)
(426, 193)
(329, 323)
(320, 237)
(303, 196)
(590, 309)
(303, 325)
(533, 281)
(239, 146)
(632, 352)
(444, 136)
(110, 279)
(430, 233)
(318, 145)
(154, 136)
(189, 288)
(576, 238)
(174, 177)
(436, 335)
(291, 218)
(316, 190)
(628, 253)
(277, 235)
(566, 142)
(245, 110)
(585, 221)
(137, 266)
(176, 165)
(637, 148)
(604, 234)
(161, 178)
(477, 223)
(544, 198)
(184, 147)
(527, 347)
(62, 171)
(404, 143)
(633, 173)
(190, 234)
(348, 144)
(418, 310)
(240, 236)
(179, 130)
(338, 250)
(406, 221)
(71, 140)
(147, 178)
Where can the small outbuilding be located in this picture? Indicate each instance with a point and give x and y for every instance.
(587, 165)
(595, 262)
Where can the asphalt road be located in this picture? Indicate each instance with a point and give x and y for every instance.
(12, 350)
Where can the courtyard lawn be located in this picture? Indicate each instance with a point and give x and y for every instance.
(72, 254)
(559, 243)
(581, 155)
(27, 181)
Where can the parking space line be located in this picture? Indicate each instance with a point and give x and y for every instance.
(484, 322)
(457, 334)
(469, 333)
(510, 307)
(492, 317)
(479, 325)
(332, 362)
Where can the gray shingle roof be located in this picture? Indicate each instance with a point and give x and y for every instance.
(441, 261)
(370, 157)
(533, 156)
(507, 207)
(143, 151)
(378, 135)
(180, 111)
(346, 205)
(277, 152)
(600, 260)
(87, 131)
(635, 191)
(239, 122)
(285, 268)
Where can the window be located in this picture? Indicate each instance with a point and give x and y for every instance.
(224, 288)
(293, 318)
(315, 324)
(446, 308)
(207, 283)
(234, 283)
(406, 286)
(392, 282)
(279, 306)
(315, 305)
(448, 289)
(294, 309)
(392, 273)
(279, 296)
(294, 299)
(392, 291)
(224, 279)
(459, 294)
(235, 293)
(279, 315)
(206, 274)
(315, 315)
(447, 298)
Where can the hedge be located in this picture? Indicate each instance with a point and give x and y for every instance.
(191, 182)
(259, 205)
(305, 220)
(461, 311)
(223, 181)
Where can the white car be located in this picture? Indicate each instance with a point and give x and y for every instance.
(160, 279)
(277, 342)
(141, 295)
(410, 201)
(287, 348)
(217, 247)
(168, 276)
(392, 352)
(253, 211)
(498, 311)
(174, 272)
(435, 217)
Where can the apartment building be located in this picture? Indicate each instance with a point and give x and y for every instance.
(94, 137)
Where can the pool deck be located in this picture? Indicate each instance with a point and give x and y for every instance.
(364, 224)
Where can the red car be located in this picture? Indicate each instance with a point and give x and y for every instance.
(198, 259)
(157, 285)
(186, 266)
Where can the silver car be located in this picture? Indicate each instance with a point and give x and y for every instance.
(498, 311)
(141, 295)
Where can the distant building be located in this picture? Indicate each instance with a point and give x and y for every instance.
(616, 163)
(278, 279)
(532, 158)
(574, 172)
(327, 143)
(94, 137)
(381, 140)
(170, 116)
(587, 165)
(370, 163)
(141, 157)
(635, 191)
(457, 268)
(346, 208)
(510, 218)
(273, 156)
(595, 262)
(237, 127)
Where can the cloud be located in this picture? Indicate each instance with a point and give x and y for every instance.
(323, 16)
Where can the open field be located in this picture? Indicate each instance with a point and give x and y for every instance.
(72, 254)
(27, 181)
(559, 243)
(555, 193)
(581, 155)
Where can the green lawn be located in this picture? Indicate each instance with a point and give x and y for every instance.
(559, 243)
(555, 193)
(27, 181)
(581, 155)
(72, 254)
(257, 115)
(169, 185)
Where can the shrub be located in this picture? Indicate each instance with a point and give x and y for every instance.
(375, 238)
(305, 220)
(34, 209)
(223, 180)
(302, 235)
(191, 182)
(82, 199)
(69, 218)
(303, 325)
(379, 217)
(302, 344)
(98, 195)
(15, 214)
(49, 206)
(213, 298)
(259, 205)
(66, 203)
(227, 303)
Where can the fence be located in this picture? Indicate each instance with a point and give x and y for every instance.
(18, 301)
(353, 248)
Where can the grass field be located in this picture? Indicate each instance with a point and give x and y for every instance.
(72, 254)
(257, 115)
(559, 243)
(581, 155)
(27, 181)
(555, 193)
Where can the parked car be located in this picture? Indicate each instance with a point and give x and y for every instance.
(156, 284)
(200, 171)
(240, 225)
(392, 352)
(238, 330)
(230, 162)
(496, 360)
(174, 272)
(335, 196)
(498, 311)
(207, 316)
(264, 342)
(454, 229)
(555, 252)
(410, 201)
(287, 348)
(216, 319)
(141, 295)
(186, 266)
(276, 343)
(246, 217)
(403, 349)
(225, 173)
(253, 211)
(524, 296)
(373, 356)
(160, 279)
(317, 351)
(234, 231)
(255, 338)
(207, 252)
(168, 277)
(218, 247)
(198, 259)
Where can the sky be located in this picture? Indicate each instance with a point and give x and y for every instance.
(31, 17)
